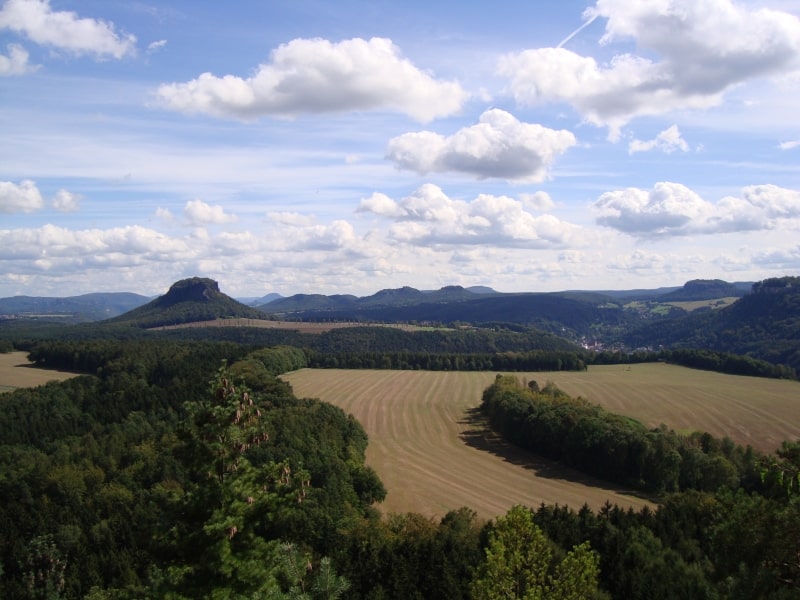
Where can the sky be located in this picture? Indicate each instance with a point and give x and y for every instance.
(309, 146)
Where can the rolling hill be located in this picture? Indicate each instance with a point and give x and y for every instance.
(72, 309)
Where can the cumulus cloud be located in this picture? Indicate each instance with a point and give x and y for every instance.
(16, 63)
(538, 201)
(667, 141)
(336, 236)
(499, 146)
(199, 213)
(318, 76)
(65, 30)
(20, 198)
(66, 201)
(51, 247)
(429, 216)
(693, 51)
(671, 209)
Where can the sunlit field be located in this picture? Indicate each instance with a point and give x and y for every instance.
(433, 454)
(17, 372)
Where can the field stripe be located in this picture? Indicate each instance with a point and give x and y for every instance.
(417, 420)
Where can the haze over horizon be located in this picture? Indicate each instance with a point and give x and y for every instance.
(349, 147)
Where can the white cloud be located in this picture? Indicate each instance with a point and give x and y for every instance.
(671, 209)
(430, 217)
(667, 141)
(693, 51)
(163, 213)
(335, 236)
(199, 213)
(22, 198)
(790, 145)
(65, 30)
(499, 146)
(318, 76)
(16, 63)
(50, 247)
(66, 201)
(156, 46)
(538, 201)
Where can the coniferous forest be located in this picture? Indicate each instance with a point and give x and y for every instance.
(186, 469)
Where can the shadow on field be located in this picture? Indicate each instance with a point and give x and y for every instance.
(478, 435)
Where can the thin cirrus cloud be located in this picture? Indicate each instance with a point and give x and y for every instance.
(64, 30)
(699, 50)
(672, 209)
(498, 146)
(429, 216)
(315, 76)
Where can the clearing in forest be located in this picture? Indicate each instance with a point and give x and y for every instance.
(16, 371)
(428, 445)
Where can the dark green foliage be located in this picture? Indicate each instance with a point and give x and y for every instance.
(134, 482)
(610, 446)
(519, 563)
(764, 324)
(535, 360)
(111, 470)
(724, 362)
(553, 312)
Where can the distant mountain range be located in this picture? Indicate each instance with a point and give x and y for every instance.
(758, 319)
(73, 309)
(464, 304)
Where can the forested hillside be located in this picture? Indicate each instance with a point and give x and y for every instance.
(764, 324)
(178, 469)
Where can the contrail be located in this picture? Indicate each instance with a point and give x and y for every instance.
(578, 30)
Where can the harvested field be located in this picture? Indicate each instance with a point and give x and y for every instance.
(17, 372)
(433, 455)
(751, 411)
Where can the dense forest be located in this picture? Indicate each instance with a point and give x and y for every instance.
(186, 469)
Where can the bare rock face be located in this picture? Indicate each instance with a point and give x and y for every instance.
(195, 289)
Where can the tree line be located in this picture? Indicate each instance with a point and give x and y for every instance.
(585, 436)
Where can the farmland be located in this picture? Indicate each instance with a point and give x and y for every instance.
(433, 455)
(17, 372)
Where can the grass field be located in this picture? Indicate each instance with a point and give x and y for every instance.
(17, 372)
(433, 454)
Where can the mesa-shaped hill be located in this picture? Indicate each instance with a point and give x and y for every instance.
(706, 289)
(188, 301)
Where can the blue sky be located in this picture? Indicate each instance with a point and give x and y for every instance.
(347, 147)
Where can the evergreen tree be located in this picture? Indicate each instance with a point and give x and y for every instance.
(519, 564)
